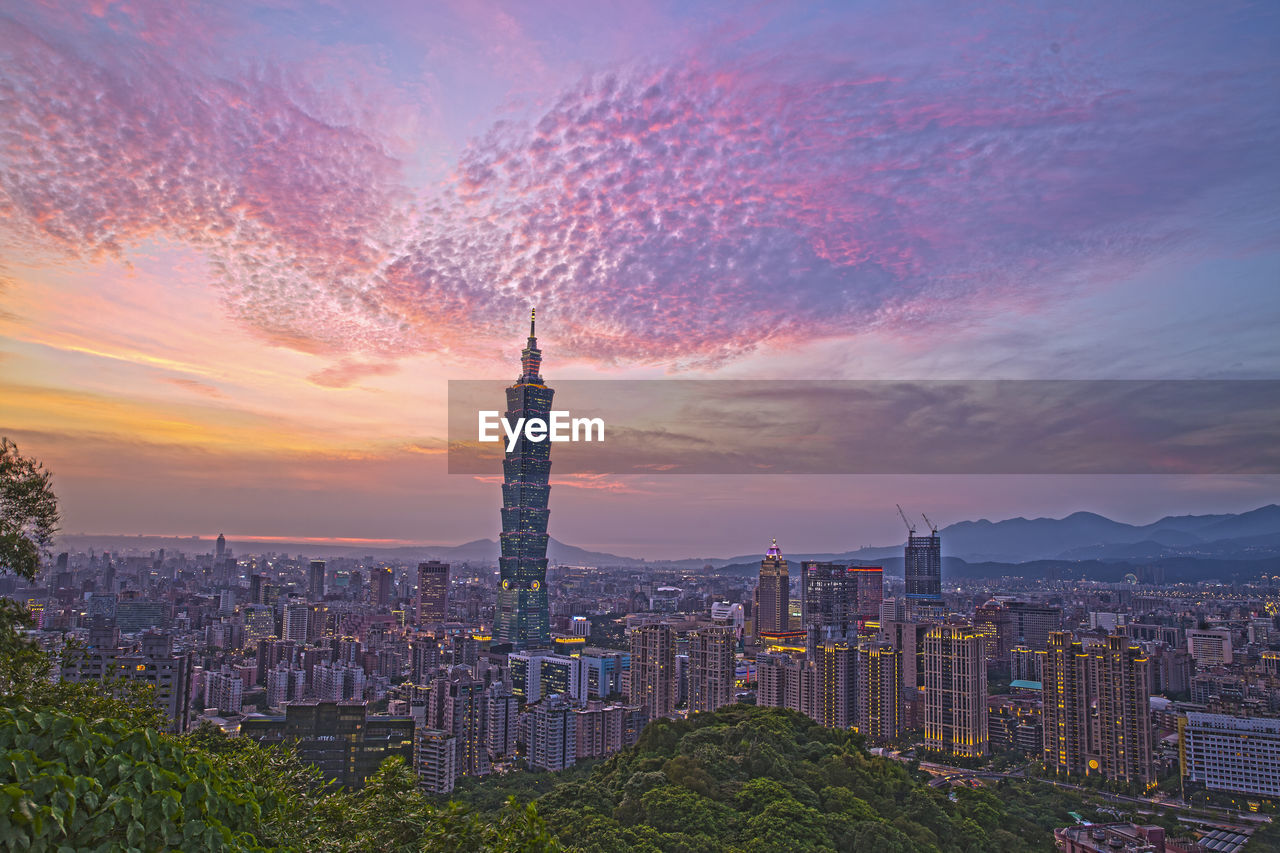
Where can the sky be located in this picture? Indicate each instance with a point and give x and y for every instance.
(244, 246)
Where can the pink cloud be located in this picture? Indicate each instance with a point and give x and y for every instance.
(675, 214)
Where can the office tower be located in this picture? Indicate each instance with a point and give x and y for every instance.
(297, 617)
(1226, 753)
(653, 670)
(837, 684)
(342, 739)
(435, 758)
(869, 581)
(315, 581)
(383, 586)
(433, 593)
(522, 617)
(255, 588)
(712, 668)
(1096, 718)
(220, 550)
(878, 712)
(553, 742)
(457, 705)
(828, 600)
(1031, 624)
(773, 593)
(923, 574)
(1210, 647)
(605, 669)
(993, 617)
(955, 690)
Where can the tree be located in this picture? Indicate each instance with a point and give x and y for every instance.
(28, 512)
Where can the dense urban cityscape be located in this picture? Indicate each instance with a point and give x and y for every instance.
(1164, 692)
(890, 465)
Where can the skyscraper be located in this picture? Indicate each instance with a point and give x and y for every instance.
(878, 713)
(220, 549)
(523, 618)
(712, 667)
(383, 582)
(433, 593)
(923, 572)
(828, 600)
(836, 687)
(315, 581)
(653, 669)
(1096, 709)
(955, 690)
(773, 593)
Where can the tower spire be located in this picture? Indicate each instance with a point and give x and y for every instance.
(533, 314)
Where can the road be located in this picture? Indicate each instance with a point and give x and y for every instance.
(945, 773)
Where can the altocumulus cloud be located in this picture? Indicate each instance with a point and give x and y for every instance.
(674, 213)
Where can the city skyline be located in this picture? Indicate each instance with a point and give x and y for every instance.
(234, 290)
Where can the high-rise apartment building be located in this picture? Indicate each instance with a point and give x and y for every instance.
(773, 592)
(836, 698)
(296, 622)
(1096, 718)
(712, 667)
(523, 618)
(154, 662)
(923, 574)
(435, 758)
(553, 741)
(433, 593)
(653, 670)
(955, 690)
(786, 680)
(878, 685)
(315, 581)
(457, 705)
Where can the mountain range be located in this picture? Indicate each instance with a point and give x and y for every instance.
(1081, 536)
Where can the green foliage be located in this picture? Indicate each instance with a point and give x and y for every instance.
(69, 784)
(760, 779)
(28, 512)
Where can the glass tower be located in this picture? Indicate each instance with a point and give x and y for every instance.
(523, 619)
(923, 573)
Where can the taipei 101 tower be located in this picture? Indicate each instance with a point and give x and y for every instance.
(523, 618)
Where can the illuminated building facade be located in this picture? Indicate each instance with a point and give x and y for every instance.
(523, 618)
(955, 690)
(878, 712)
(773, 593)
(433, 593)
(1096, 719)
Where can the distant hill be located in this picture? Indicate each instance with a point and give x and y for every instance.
(1081, 536)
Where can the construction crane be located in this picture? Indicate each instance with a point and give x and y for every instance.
(933, 528)
(911, 528)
